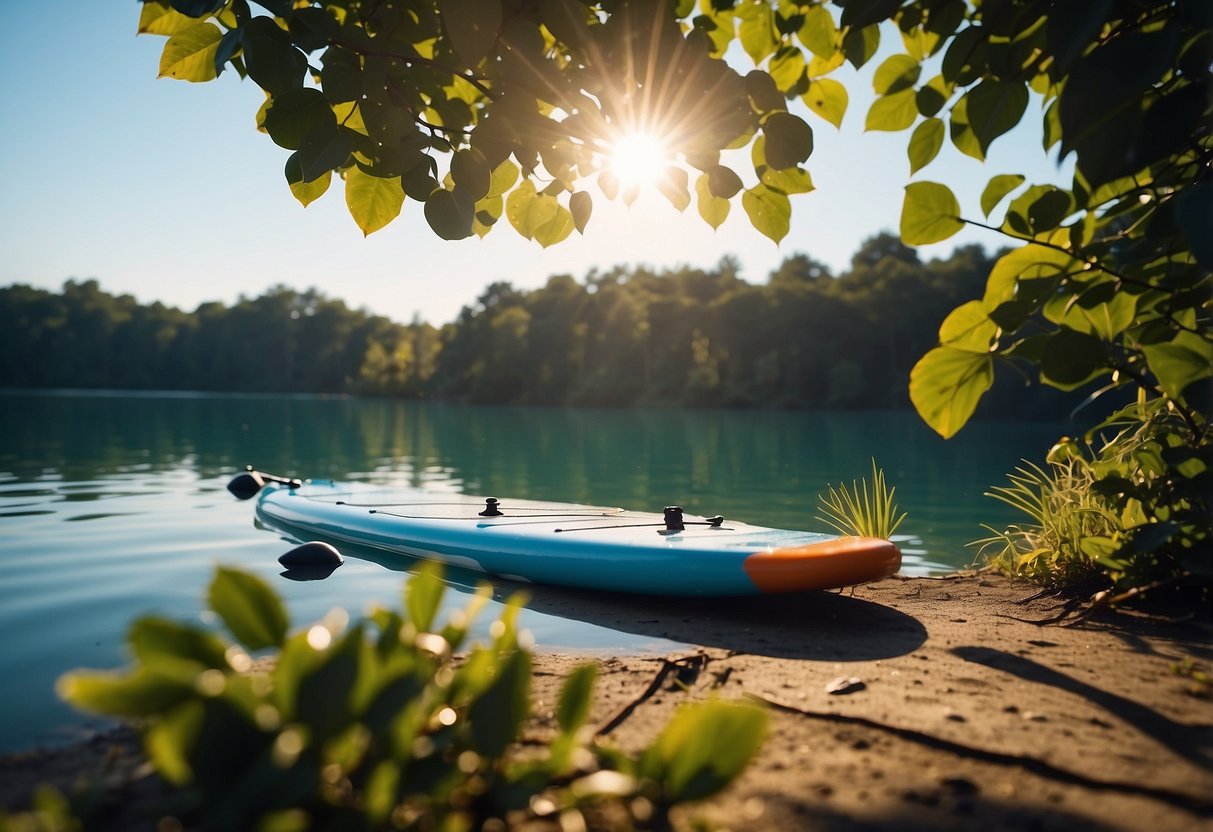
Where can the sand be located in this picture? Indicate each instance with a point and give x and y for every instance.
(955, 710)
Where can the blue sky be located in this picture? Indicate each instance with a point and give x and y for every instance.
(165, 190)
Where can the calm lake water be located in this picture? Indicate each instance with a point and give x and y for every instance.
(114, 505)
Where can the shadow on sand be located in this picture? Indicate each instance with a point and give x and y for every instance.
(825, 626)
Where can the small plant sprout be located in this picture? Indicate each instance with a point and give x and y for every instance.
(863, 510)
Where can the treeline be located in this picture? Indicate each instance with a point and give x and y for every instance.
(282, 341)
(805, 338)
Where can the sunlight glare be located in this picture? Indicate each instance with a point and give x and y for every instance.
(638, 159)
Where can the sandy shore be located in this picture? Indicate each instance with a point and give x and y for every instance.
(968, 716)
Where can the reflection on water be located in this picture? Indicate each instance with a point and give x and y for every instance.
(113, 505)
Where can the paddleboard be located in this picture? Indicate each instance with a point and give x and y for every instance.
(594, 547)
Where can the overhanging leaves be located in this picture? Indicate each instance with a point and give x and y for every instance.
(373, 202)
(189, 55)
(946, 385)
(828, 99)
(472, 26)
(925, 143)
(997, 188)
(929, 214)
(769, 211)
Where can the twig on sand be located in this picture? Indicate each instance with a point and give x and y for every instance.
(1067, 608)
(687, 669)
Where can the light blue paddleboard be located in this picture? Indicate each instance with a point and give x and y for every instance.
(595, 547)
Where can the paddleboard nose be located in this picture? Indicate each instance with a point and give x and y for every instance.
(831, 563)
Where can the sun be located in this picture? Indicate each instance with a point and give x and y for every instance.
(638, 159)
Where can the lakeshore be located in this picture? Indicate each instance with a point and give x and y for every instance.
(951, 709)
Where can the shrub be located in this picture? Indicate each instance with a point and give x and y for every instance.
(386, 724)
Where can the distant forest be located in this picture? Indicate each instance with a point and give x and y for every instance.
(806, 338)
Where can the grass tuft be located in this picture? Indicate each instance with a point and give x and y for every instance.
(863, 510)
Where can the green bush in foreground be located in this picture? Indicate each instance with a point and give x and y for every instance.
(380, 726)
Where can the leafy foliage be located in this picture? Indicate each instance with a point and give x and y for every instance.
(855, 510)
(1112, 281)
(1130, 501)
(542, 92)
(378, 725)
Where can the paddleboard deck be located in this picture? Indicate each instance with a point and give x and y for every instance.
(594, 547)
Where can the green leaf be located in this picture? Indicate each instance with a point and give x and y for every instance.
(198, 8)
(556, 229)
(471, 173)
(968, 328)
(323, 152)
(828, 99)
(761, 89)
(868, 12)
(296, 114)
(488, 211)
(341, 75)
(929, 214)
(1178, 363)
(229, 45)
(134, 694)
(824, 66)
(305, 192)
(892, 112)
(946, 384)
(418, 182)
(574, 706)
(925, 142)
(788, 181)
(818, 32)
(994, 107)
(169, 740)
(373, 202)
(963, 137)
(189, 55)
(496, 716)
(789, 140)
(1071, 359)
(423, 596)
(1108, 320)
(722, 181)
(157, 18)
(472, 26)
(859, 45)
(580, 206)
(252, 612)
(703, 748)
(931, 96)
(1030, 262)
(1072, 27)
(896, 73)
(271, 59)
(503, 178)
(176, 649)
(770, 212)
(450, 213)
(1039, 210)
(527, 210)
(712, 208)
(787, 68)
(998, 187)
(757, 30)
